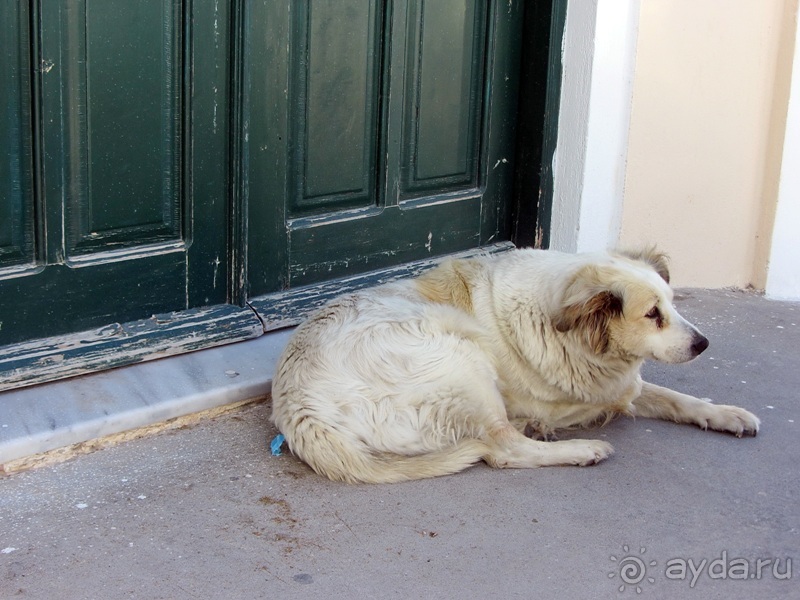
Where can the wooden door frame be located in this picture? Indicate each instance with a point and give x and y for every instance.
(117, 344)
(537, 121)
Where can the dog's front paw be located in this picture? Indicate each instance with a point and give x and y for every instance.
(589, 452)
(731, 419)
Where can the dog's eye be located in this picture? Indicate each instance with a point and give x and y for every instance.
(655, 315)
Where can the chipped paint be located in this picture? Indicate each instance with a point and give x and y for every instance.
(214, 115)
(537, 242)
(161, 335)
(216, 262)
(502, 161)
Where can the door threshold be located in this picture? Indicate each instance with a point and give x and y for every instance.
(62, 415)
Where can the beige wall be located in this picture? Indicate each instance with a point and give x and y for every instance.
(708, 114)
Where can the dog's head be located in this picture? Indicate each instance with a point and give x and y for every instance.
(624, 307)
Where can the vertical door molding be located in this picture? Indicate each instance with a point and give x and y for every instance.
(17, 198)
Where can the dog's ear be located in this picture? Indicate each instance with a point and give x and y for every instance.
(658, 260)
(592, 318)
(588, 307)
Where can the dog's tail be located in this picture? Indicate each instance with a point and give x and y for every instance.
(342, 460)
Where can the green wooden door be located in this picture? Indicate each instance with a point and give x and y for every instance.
(113, 183)
(374, 133)
(218, 160)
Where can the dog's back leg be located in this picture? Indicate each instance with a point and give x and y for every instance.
(508, 448)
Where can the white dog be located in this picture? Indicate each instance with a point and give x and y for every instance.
(427, 376)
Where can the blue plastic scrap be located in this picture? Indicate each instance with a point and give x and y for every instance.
(275, 445)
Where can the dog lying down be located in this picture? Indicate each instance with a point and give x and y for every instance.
(476, 357)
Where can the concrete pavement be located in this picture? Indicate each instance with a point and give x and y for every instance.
(206, 512)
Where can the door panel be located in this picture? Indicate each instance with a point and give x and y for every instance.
(111, 170)
(105, 184)
(123, 86)
(16, 168)
(442, 109)
(373, 148)
(335, 78)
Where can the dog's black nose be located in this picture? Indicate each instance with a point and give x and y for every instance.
(700, 344)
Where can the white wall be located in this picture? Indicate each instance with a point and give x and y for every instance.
(671, 132)
(783, 279)
(702, 143)
(613, 65)
(573, 122)
(589, 163)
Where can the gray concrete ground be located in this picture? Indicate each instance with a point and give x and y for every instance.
(205, 512)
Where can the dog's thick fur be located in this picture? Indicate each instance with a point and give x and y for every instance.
(427, 376)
